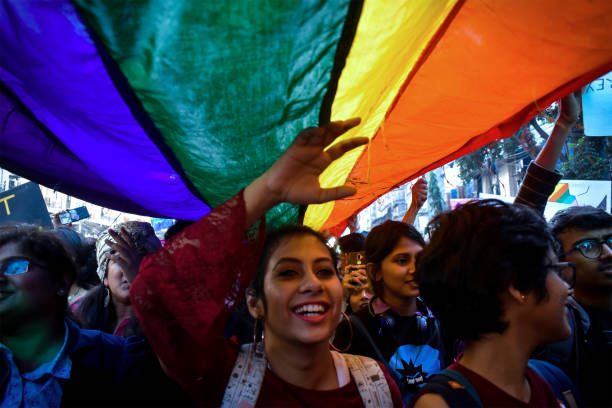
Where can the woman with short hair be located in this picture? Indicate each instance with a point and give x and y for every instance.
(46, 360)
(491, 276)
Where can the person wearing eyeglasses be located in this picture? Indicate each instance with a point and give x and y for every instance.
(46, 360)
(581, 232)
(585, 235)
(491, 277)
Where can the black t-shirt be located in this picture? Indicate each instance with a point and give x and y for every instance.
(595, 381)
(586, 357)
(411, 345)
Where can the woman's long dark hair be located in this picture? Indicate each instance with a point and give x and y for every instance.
(84, 255)
(241, 323)
(92, 314)
(382, 240)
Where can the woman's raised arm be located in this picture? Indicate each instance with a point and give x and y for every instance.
(186, 291)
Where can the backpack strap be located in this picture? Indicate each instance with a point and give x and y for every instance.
(558, 381)
(454, 388)
(245, 381)
(247, 377)
(370, 380)
(464, 382)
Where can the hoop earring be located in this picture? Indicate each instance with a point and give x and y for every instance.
(107, 298)
(350, 325)
(257, 347)
(257, 321)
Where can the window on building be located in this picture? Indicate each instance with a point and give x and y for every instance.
(12, 181)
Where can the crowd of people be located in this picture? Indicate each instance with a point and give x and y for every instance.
(495, 307)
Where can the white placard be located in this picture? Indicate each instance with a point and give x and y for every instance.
(597, 107)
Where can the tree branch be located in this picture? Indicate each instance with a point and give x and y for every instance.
(538, 129)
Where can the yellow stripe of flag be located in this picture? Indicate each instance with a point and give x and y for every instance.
(390, 37)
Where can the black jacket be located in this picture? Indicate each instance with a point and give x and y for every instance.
(111, 371)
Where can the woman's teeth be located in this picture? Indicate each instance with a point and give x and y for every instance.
(310, 310)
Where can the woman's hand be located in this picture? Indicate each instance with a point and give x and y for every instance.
(569, 113)
(419, 196)
(126, 254)
(570, 107)
(294, 178)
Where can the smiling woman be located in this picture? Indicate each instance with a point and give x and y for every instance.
(45, 358)
(185, 293)
(296, 278)
(30, 286)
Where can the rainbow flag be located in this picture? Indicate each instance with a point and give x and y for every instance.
(168, 108)
(562, 195)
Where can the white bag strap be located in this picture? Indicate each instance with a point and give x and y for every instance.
(247, 377)
(370, 380)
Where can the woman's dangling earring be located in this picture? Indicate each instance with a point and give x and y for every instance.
(107, 297)
(257, 348)
(257, 321)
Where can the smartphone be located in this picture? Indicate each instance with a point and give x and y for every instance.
(75, 214)
(355, 258)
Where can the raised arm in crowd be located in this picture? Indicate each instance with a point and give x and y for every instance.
(185, 293)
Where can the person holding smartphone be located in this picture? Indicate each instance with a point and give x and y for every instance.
(395, 327)
(355, 282)
(357, 287)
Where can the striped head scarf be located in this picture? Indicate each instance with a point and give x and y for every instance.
(142, 233)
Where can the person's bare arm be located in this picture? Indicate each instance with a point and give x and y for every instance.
(419, 196)
(431, 401)
(541, 177)
(570, 111)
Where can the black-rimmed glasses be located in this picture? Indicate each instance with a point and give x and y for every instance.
(591, 248)
(566, 271)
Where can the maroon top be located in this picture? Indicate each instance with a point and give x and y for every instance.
(186, 291)
(493, 396)
(277, 393)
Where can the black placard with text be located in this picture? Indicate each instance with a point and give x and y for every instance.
(24, 203)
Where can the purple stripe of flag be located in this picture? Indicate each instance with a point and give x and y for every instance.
(50, 63)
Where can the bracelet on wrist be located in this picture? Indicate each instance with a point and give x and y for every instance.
(565, 122)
